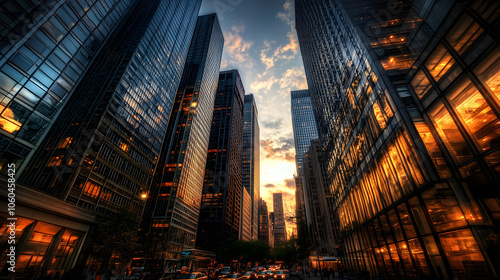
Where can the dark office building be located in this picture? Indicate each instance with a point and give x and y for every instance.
(221, 199)
(250, 167)
(279, 226)
(171, 214)
(45, 49)
(104, 147)
(406, 99)
(264, 227)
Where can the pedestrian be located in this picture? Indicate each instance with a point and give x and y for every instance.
(326, 273)
(332, 272)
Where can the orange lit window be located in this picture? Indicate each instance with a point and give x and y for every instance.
(439, 62)
(433, 149)
(124, 146)
(55, 161)
(464, 33)
(476, 113)
(7, 122)
(420, 84)
(448, 131)
(379, 116)
(91, 189)
(65, 142)
(489, 72)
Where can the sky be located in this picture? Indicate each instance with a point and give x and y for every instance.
(261, 42)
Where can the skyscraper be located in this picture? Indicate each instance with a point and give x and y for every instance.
(304, 130)
(45, 49)
(221, 199)
(315, 196)
(407, 107)
(264, 226)
(279, 219)
(103, 150)
(171, 213)
(251, 160)
(246, 216)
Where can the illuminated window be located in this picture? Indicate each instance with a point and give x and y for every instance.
(443, 208)
(433, 149)
(55, 161)
(448, 131)
(65, 142)
(420, 84)
(476, 113)
(489, 72)
(439, 62)
(124, 146)
(462, 35)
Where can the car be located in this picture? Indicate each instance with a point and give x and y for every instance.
(294, 273)
(249, 275)
(223, 274)
(281, 274)
(262, 275)
(194, 276)
(233, 276)
(270, 273)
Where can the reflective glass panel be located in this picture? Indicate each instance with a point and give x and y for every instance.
(443, 208)
(476, 114)
(439, 62)
(463, 34)
(449, 132)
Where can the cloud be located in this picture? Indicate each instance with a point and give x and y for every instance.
(263, 84)
(290, 183)
(288, 51)
(268, 186)
(293, 78)
(236, 48)
(273, 124)
(281, 148)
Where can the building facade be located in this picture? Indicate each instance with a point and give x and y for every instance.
(220, 211)
(171, 214)
(279, 226)
(407, 109)
(250, 167)
(315, 176)
(264, 227)
(45, 49)
(246, 216)
(304, 130)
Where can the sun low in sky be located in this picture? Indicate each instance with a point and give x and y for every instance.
(261, 42)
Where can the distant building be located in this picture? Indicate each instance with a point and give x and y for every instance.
(271, 229)
(304, 130)
(264, 223)
(280, 235)
(220, 213)
(251, 160)
(174, 200)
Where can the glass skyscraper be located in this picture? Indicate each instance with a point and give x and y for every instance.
(45, 49)
(304, 130)
(250, 167)
(171, 214)
(406, 100)
(221, 200)
(103, 149)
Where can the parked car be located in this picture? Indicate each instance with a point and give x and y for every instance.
(194, 276)
(261, 275)
(249, 275)
(281, 274)
(294, 273)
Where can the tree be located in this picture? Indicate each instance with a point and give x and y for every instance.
(114, 233)
(244, 251)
